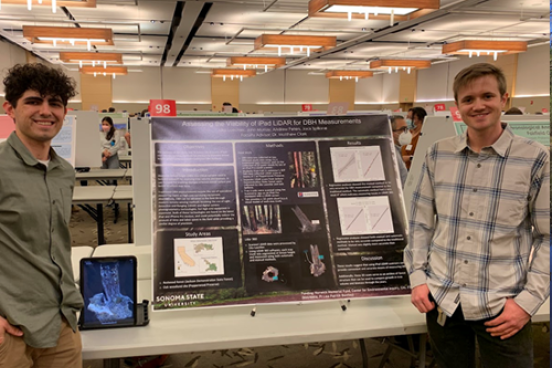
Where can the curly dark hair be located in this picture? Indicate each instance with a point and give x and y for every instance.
(40, 78)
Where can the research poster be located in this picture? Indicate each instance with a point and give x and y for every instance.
(251, 210)
(64, 142)
(537, 130)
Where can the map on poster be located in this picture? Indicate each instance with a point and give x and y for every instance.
(198, 257)
(251, 210)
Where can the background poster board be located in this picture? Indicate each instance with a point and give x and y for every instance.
(536, 130)
(6, 127)
(271, 210)
(64, 142)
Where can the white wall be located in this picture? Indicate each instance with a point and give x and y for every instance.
(304, 88)
(533, 74)
(135, 87)
(390, 89)
(432, 83)
(184, 85)
(369, 90)
(263, 89)
(10, 55)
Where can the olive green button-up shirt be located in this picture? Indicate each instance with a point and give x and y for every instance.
(37, 285)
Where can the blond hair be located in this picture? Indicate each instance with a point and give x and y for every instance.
(475, 71)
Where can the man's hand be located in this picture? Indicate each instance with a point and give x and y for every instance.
(509, 322)
(6, 327)
(420, 298)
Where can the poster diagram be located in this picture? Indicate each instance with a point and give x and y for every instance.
(198, 257)
(367, 215)
(351, 164)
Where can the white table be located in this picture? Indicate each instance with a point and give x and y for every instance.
(104, 174)
(84, 197)
(215, 328)
(125, 161)
(77, 253)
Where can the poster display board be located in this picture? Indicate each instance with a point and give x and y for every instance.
(64, 142)
(254, 210)
(533, 129)
(7, 126)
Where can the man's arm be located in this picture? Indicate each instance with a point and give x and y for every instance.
(518, 311)
(422, 223)
(537, 287)
(5, 327)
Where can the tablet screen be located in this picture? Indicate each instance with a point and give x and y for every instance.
(108, 286)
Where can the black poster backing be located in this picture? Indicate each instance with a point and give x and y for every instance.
(255, 210)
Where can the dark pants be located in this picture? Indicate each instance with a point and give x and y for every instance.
(454, 344)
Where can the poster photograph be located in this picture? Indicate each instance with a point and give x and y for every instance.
(251, 210)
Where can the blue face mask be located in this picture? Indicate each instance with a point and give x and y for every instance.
(410, 123)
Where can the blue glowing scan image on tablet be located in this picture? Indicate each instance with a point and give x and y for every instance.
(109, 292)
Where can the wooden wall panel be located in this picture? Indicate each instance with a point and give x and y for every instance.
(96, 91)
(225, 91)
(407, 86)
(343, 91)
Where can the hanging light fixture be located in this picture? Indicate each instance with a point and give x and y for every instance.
(372, 9)
(69, 35)
(396, 65)
(233, 73)
(348, 74)
(92, 58)
(109, 71)
(253, 62)
(484, 48)
(53, 3)
(294, 43)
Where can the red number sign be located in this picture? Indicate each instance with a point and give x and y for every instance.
(440, 107)
(307, 107)
(162, 108)
(455, 114)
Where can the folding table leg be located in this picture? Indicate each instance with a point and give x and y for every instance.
(422, 352)
(364, 354)
(130, 216)
(100, 223)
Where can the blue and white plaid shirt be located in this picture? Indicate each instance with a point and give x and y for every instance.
(480, 225)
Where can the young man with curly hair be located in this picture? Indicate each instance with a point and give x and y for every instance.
(478, 253)
(38, 295)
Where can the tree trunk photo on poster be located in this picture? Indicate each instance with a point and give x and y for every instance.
(252, 210)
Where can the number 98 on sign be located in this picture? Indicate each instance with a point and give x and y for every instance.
(162, 108)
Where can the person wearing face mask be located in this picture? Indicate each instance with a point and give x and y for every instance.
(398, 126)
(111, 142)
(416, 116)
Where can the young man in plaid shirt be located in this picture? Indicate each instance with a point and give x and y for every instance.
(479, 245)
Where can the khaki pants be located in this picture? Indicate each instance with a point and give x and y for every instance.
(14, 353)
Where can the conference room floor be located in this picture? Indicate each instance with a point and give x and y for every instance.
(323, 355)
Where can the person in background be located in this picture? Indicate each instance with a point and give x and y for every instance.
(513, 111)
(38, 296)
(418, 115)
(111, 142)
(400, 134)
(111, 109)
(478, 253)
(234, 110)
